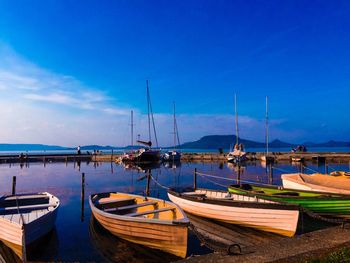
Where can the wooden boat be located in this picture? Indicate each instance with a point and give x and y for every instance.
(271, 216)
(317, 183)
(327, 204)
(143, 220)
(25, 218)
(114, 249)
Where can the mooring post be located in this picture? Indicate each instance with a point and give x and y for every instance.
(195, 179)
(270, 173)
(148, 182)
(13, 185)
(239, 174)
(326, 168)
(82, 196)
(112, 156)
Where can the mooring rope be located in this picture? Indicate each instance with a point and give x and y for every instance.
(229, 250)
(281, 170)
(159, 184)
(231, 179)
(312, 170)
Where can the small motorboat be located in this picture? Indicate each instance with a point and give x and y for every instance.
(148, 221)
(271, 216)
(25, 218)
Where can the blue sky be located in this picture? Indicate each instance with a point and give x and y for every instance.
(71, 71)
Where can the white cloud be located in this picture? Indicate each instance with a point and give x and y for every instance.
(40, 106)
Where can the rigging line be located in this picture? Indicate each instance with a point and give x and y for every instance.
(177, 133)
(150, 107)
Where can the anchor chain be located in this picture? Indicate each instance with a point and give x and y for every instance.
(229, 250)
(326, 219)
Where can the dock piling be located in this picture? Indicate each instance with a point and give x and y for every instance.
(13, 185)
(82, 196)
(195, 179)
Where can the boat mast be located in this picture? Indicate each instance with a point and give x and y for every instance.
(267, 128)
(174, 129)
(132, 128)
(148, 113)
(236, 119)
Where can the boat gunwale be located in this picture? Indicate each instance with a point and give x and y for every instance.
(278, 205)
(184, 221)
(23, 224)
(322, 195)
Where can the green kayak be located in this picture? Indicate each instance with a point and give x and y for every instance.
(329, 204)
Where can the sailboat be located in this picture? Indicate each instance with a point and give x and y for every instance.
(174, 155)
(267, 158)
(237, 154)
(145, 154)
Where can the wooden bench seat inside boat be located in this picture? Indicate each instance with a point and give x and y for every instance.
(128, 207)
(27, 217)
(152, 212)
(114, 202)
(23, 200)
(22, 209)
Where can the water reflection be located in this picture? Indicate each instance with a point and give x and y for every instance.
(114, 249)
(64, 180)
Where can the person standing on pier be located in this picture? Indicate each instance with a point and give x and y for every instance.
(78, 150)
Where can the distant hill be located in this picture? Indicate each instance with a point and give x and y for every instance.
(330, 143)
(224, 141)
(219, 141)
(30, 147)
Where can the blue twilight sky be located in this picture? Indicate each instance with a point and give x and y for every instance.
(71, 71)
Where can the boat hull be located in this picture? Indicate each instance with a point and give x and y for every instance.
(168, 236)
(333, 205)
(317, 183)
(279, 221)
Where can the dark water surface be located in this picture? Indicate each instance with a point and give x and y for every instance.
(78, 238)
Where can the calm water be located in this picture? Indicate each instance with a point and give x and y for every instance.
(78, 238)
(288, 149)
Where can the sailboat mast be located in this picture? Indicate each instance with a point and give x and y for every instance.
(148, 112)
(236, 114)
(174, 129)
(267, 128)
(132, 128)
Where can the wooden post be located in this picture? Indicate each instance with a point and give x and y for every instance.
(148, 182)
(195, 179)
(326, 168)
(239, 174)
(270, 174)
(112, 156)
(13, 185)
(82, 196)
(301, 168)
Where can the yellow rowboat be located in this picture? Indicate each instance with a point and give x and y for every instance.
(271, 216)
(25, 218)
(317, 182)
(148, 221)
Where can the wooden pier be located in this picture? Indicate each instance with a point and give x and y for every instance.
(24, 158)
